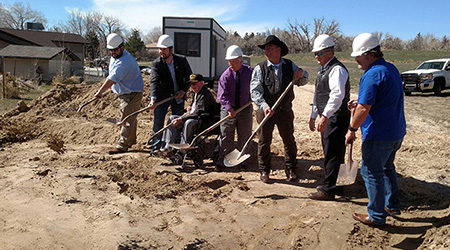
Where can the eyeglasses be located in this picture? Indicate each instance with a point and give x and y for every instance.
(194, 83)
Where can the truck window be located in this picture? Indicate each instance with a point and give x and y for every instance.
(187, 44)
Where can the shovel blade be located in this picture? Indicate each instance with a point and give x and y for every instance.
(181, 146)
(232, 159)
(347, 174)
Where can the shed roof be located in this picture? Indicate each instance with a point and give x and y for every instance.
(44, 38)
(34, 52)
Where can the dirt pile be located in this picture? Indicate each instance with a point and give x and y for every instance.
(60, 188)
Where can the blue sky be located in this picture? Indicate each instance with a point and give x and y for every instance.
(400, 18)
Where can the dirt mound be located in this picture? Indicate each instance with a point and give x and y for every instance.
(55, 175)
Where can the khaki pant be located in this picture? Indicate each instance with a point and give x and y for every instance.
(129, 103)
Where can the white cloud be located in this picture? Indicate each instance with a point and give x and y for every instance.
(147, 14)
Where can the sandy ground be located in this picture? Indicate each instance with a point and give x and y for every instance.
(59, 189)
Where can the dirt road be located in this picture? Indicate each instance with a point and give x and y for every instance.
(60, 189)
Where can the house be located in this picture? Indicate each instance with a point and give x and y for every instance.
(72, 48)
(34, 62)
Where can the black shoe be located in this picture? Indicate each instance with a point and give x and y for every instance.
(264, 177)
(218, 168)
(291, 175)
(117, 151)
(321, 196)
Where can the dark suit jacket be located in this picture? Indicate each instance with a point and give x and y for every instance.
(161, 84)
(206, 104)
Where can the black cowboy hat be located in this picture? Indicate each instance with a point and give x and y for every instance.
(274, 40)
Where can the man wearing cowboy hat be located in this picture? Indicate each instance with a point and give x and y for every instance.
(269, 79)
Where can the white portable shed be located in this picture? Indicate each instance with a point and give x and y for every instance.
(202, 41)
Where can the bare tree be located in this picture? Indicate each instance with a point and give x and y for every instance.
(301, 34)
(16, 15)
(378, 35)
(153, 35)
(305, 36)
(391, 42)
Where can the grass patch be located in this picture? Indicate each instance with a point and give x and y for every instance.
(7, 104)
(403, 59)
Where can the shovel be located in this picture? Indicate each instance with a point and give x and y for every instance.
(118, 122)
(91, 100)
(163, 129)
(235, 157)
(191, 146)
(347, 171)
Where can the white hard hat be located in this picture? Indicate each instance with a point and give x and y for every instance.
(233, 52)
(113, 41)
(322, 42)
(164, 41)
(363, 43)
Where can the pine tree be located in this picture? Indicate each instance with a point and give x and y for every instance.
(134, 43)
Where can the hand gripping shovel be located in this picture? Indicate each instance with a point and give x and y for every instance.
(118, 122)
(192, 145)
(235, 157)
(163, 129)
(347, 171)
(91, 100)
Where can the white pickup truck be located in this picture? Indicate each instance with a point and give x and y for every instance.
(430, 76)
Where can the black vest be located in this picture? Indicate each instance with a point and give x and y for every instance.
(323, 89)
(272, 86)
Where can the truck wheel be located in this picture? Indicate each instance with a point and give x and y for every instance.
(437, 88)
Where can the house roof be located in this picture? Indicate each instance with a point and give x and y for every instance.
(34, 52)
(44, 38)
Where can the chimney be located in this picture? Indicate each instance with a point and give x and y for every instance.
(35, 26)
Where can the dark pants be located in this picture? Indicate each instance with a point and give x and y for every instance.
(333, 143)
(284, 119)
(160, 115)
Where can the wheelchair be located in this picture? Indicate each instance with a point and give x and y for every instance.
(205, 146)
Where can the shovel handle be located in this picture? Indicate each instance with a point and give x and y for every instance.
(163, 129)
(144, 109)
(218, 123)
(266, 117)
(93, 99)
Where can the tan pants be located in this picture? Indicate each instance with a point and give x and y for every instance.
(128, 104)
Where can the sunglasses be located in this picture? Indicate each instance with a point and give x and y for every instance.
(194, 83)
(319, 53)
(116, 49)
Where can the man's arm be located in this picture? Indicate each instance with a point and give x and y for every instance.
(257, 90)
(361, 113)
(105, 86)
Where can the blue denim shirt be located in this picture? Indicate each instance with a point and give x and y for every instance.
(124, 71)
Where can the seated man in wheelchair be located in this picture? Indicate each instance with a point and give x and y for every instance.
(201, 114)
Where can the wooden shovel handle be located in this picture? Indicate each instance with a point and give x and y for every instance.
(266, 117)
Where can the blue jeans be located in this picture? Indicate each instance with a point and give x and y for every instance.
(160, 116)
(378, 172)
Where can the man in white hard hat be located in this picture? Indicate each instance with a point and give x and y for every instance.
(233, 92)
(269, 80)
(125, 80)
(169, 77)
(379, 112)
(331, 96)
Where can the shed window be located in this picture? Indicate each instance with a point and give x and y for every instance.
(187, 44)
